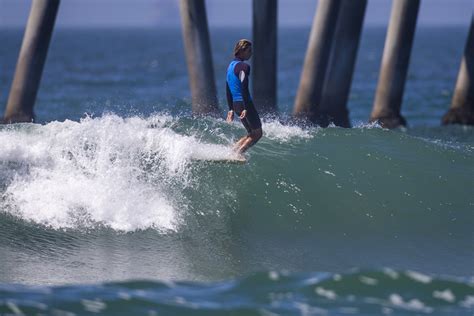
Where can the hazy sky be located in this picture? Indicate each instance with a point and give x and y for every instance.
(149, 13)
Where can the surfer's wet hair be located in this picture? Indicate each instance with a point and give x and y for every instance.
(241, 45)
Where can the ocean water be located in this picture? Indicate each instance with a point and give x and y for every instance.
(106, 206)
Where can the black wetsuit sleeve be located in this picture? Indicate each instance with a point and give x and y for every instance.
(245, 83)
(230, 102)
(245, 90)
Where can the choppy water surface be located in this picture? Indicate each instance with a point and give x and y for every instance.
(115, 211)
(384, 292)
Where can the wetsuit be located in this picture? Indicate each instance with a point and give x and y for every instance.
(238, 95)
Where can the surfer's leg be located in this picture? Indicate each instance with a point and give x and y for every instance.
(240, 142)
(244, 139)
(250, 140)
(253, 124)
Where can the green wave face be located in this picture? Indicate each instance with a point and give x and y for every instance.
(344, 181)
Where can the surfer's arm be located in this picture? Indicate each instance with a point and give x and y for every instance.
(230, 102)
(244, 79)
(242, 71)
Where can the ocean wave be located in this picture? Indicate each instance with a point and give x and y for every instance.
(138, 173)
(358, 292)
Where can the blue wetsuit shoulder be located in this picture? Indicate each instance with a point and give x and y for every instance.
(238, 89)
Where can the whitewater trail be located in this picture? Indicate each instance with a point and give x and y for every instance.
(111, 171)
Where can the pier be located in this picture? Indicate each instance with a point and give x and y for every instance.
(340, 71)
(31, 60)
(395, 62)
(264, 60)
(326, 71)
(462, 104)
(198, 56)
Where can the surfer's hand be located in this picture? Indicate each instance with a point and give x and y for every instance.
(230, 117)
(243, 114)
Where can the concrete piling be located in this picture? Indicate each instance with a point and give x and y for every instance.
(31, 60)
(333, 107)
(198, 56)
(462, 103)
(395, 62)
(309, 92)
(264, 69)
(327, 71)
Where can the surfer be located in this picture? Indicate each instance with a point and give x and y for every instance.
(238, 96)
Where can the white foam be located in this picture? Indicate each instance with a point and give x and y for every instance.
(413, 304)
(277, 131)
(110, 170)
(329, 294)
(468, 301)
(14, 308)
(370, 125)
(446, 295)
(368, 280)
(94, 306)
(273, 275)
(391, 273)
(419, 277)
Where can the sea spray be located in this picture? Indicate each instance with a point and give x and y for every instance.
(94, 169)
(106, 170)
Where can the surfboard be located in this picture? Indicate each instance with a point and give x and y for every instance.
(238, 159)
